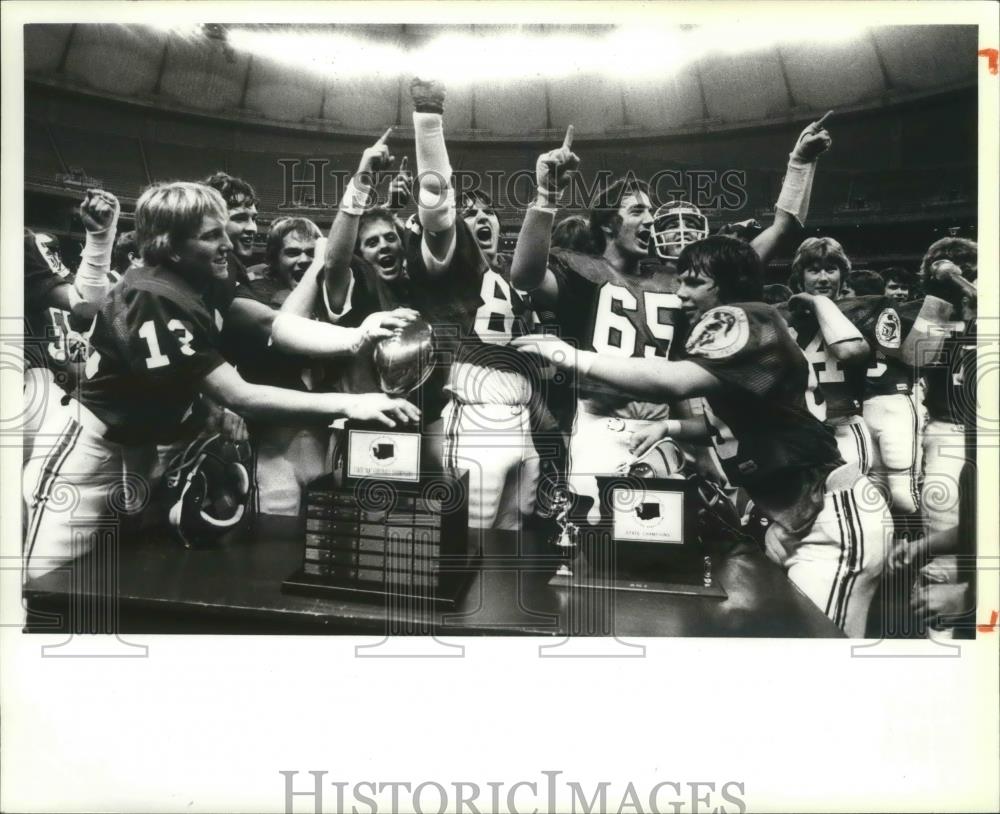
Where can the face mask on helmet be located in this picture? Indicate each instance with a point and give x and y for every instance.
(676, 225)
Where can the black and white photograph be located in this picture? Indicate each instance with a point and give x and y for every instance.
(503, 334)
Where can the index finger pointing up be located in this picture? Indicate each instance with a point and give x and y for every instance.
(385, 137)
(568, 141)
(818, 125)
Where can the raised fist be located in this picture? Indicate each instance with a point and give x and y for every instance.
(813, 141)
(552, 168)
(98, 210)
(427, 95)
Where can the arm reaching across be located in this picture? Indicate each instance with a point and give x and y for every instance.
(842, 338)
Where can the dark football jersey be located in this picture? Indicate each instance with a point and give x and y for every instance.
(154, 340)
(613, 313)
(766, 439)
(839, 388)
(950, 379)
(45, 327)
(883, 326)
(475, 313)
(54, 338)
(256, 358)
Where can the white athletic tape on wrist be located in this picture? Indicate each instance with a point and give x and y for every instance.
(797, 189)
(95, 261)
(437, 209)
(432, 155)
(356, 198)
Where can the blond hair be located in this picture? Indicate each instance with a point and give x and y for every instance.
(169, 213)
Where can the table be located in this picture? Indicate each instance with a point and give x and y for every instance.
(160, 587)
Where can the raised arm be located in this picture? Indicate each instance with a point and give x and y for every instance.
(944, 285)
(99, 212)
(793, 203)
(435, 196)
(529, 269)
(842, 338)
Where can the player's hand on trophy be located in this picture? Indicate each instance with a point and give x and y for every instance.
(813, 141)
(377, 157)
(643, 440)
(382, 324)
(905, 553)
(98, 210)
(553, 350)
(427, 95)
(233, 427)
(383, 409)
(553, 168)
(401, 187)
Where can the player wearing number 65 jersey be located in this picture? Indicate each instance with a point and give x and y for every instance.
(606, 303)
(154, 346)
(828, 523)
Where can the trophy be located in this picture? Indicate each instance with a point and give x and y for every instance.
(565, 538)
(404, 361)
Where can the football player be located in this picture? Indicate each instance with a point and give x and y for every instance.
(125, 254)
(59, 306)
(606, 302)
(942, 346)
(827, 523)
(241, 202)
(475, 311)
(154, 346)
(837, 352)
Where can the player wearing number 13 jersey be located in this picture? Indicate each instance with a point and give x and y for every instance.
(828, 523)
(154, 346)
(605, 303)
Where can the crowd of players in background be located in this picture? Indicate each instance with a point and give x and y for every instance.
(836, 413)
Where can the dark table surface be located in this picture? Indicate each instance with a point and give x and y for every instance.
(160, 587)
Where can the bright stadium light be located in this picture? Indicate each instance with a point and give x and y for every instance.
(635, 53)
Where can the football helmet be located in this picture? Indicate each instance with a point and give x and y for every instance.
(663, 460)
(677, 224)
(208, 488)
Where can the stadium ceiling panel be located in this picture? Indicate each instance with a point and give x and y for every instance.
(292, 78)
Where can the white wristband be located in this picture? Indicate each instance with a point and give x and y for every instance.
(356, 198)
(797, 189)
(95, 261)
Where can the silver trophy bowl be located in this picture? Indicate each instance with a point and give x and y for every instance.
(405, 360)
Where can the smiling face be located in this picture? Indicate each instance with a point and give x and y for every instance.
(242, 228)
(821, 279)
(296, 255)
(636, 225)
(484, 224)
(205, 254)
(379, 244)
(896, 290)
(698, 293)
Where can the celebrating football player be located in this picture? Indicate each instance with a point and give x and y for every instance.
(153, 348)
(59, 305)
(607, 301)
(828, 524)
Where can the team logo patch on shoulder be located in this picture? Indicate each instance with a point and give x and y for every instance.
(722, 332)
(888, 329)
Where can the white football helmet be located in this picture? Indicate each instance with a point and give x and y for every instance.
(677, 224)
